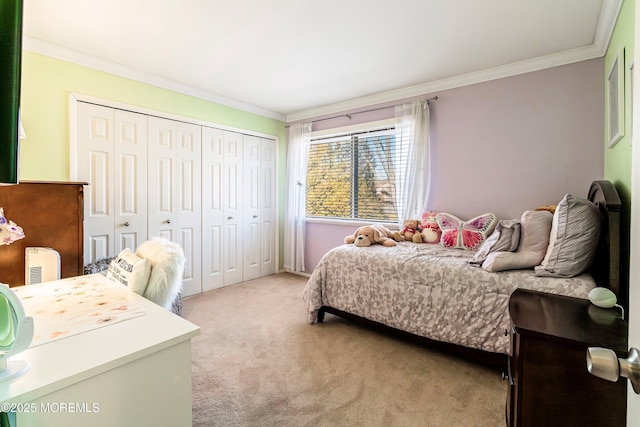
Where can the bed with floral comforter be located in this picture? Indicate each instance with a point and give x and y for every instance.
(434, 292)
(427, 290)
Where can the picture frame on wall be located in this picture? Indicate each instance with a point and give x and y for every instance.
(615, 99)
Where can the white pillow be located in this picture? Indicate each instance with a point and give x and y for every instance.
(505, 238)
(573, 240)
(167, 261)
(535, 227)
(130, 270)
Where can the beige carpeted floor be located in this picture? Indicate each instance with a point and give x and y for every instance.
(257, 362)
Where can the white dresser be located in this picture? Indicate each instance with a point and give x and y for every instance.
(136, 372)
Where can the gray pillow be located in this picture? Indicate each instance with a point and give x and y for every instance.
(534, 239)
(574, 238)
(505, 237)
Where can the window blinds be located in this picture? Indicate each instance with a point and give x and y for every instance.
(356, 175)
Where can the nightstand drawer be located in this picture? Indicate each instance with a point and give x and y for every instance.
(549, 381)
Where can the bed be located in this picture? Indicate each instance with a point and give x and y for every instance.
(433, 293)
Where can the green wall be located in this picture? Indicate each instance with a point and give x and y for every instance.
(617, 159)
(46, 83)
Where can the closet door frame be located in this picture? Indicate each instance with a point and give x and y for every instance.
(74, 98)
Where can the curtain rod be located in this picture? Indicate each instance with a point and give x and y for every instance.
(435, 98)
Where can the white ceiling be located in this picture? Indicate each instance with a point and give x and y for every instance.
(293, 59)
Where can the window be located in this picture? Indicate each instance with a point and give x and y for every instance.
(356, 175)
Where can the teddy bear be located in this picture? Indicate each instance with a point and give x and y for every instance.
(410, 232)
(370, 234)
(431, 231)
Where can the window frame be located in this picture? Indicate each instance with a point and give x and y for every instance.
(335, 132)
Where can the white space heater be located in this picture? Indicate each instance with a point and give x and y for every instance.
(41, 265)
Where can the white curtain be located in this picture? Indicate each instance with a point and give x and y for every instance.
(412, 125)
(298, 140)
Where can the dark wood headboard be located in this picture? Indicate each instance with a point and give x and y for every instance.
(606, 265)
(51, 215)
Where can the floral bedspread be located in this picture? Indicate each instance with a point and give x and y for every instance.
(427, 290)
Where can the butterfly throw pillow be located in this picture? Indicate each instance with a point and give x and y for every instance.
(470, 234)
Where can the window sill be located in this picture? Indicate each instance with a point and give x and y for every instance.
(350, 222)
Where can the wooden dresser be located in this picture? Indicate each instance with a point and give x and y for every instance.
(51, 215)
(549, 381)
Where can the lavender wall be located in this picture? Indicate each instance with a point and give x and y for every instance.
(506, 146)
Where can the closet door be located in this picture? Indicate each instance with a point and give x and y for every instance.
(210, 190)
(251, 208)
(259, 207)
(212, 208)
(95, 166)
(174, 191)
(130, 165)
(112, 149)
(161, 173)
(189, 203)
(267, 213)
(232, 208)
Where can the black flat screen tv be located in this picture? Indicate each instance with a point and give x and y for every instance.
(10, 72)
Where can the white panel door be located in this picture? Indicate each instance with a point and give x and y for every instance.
(95, 166)
(174, 191)
(112, 149)
(212, 212)
(232, 208)
(130, 173)
(209, 190)
(267, 206)
(259, 207)
(251, 208)
(189, 203)
(162, 181)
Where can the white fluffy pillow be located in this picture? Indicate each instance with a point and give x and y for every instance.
(167, 265)
(130, 270)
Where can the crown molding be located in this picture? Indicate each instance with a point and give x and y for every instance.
(606, 24)
(48, 49)
(430, 88)
(604, 31)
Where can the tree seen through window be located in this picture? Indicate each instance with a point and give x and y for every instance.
(354, 176)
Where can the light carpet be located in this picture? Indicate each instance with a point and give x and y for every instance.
(257, 362)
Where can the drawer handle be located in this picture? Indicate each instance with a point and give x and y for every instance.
(126, 224)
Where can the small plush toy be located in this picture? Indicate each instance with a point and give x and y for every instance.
(410, 232)
(550, 208)
(431, 231)
(370, 234)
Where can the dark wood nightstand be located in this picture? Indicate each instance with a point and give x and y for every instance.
(548, 380)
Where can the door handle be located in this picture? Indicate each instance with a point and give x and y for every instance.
(605, 364)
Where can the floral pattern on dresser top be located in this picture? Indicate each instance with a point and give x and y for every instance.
(75, 305)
